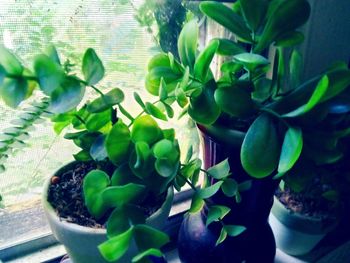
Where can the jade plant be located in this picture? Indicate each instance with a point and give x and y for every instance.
(135, 158)
(286, 121)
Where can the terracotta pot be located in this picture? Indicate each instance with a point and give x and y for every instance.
(256, 244)
(81, 242)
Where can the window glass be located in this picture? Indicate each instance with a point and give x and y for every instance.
(123, 44)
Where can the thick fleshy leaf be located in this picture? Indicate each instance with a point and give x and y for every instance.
(149, 252)
(95, 182)
(260, 150)
(98, 150)
(203, 108)
(146, 129)
(220, 170)
(202, 64)
(49, 73)
(315, 98)
(180, 96)
(114, 248)
(222, 237)
(52, 53)
(229, 187)
(286, 16)
(142, 161)
(234, 230)
(13, 91)
(187, 43)
(216, 212)
(9, 62)
(96, 121)
(155, 111)
(339, 80)
(228, 47)
(138, 99)
(196, 205)
(147, 237)
(254, 12)
(111, 98)
(235, 100)
(290, 39)
(118, 143)
(92, 67)
(169, 110)
(295, 68)
(67, 96)
(117, 196)
(291, 149)
(227, 18)
(209, 191)
(163, 93)
(251, 61)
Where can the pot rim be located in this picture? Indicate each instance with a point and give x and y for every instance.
(50, 211)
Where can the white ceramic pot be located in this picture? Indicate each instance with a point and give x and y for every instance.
(81, 242)
(297, 234)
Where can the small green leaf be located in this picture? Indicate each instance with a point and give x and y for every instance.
(209, 191)
(180, 96)
(52, 53)
(117, 196)
(244, 186)
(114, 248)
(9, 62)
(146, 129)
(155, 111)
(14, 91)
(138, 99)
(315, 98)
(111, 98)
(228, 47)
(147, 237)
(169, 110)
(220, 170)
(118, 143)
(95, 182)
(222, 237)
(92, 67)
(291, 149)
(260, 150)
(98, 151)
(295, 68)
(251, 61)
(254, 12)
(149, 252)
(49, 73)
(290, 39)
(331, 195)
(202, 64)
(187, 43)
(216, 212)
(67, 96)
(229, 187)
(163, 93)
(227, 18)
(234, 230)
(197, 204)
(2, 74)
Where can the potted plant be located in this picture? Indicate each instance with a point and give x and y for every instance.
(260, 123)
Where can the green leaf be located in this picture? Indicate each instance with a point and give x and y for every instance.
(339, 80)
(244, 186)
(138, 99)
(290, 39)
(92, 68)
(187, 43)
(251, 61)
(216, 212)
(49, 73)
(254, 12)
(67, 96)
(286, 16)
(118, 143)
(229, 187)
(146, 129)
(114, 248)
(155, 111)
(52, 53)
(163, 93)
(96, 121)
(111, 98)
(117, 196)
(149, 252)
(123, 175)
(222, 237)
(315, 98)
(202, 64)
(220, 170)
(147, 237)
(9, 62)
(169, 110)
(227, 18)
(295, 68)
(180, 96)
(2, 74)
(331, 195)
(291, 149)
(260, 150)
(142, 162)
(95, 182)
(235, 100)
(197, 204)
(98, 151)
(228, 47)
(234, 230)
(203, 108)
(14, 91)
(209, 191)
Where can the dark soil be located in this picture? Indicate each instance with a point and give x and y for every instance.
(66, 196)
(304, 204)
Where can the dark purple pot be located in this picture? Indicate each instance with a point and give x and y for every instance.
(196, 242)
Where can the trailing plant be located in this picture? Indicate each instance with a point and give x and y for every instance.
(286, 122)
(136, 160)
